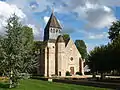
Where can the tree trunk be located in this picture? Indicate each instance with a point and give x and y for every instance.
(94, 74)
(10, 81)
(102, 76)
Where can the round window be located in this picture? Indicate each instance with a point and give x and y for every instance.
(71, 58)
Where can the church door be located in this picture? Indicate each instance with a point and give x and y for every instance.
(72, 70)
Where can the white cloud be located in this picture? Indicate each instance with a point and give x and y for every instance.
(97, 36)
(100, 17)
(93, 35)
(46, 18)
(7, 10)
(36, 32)
(97, 13)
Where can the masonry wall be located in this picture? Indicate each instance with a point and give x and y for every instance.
(72, 57)
(51, 59)
(41, 63)
(60, 59)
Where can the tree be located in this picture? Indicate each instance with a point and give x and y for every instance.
(80, 44)
(105, 58)
(66, 37)
(28, 43)
(114, 31)
(16, 50)
(114, 36)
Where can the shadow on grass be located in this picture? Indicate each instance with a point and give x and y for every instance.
(4, 85)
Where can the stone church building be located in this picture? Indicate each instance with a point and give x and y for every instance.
(58, 56)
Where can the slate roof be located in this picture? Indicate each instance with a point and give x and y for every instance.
(53, 22)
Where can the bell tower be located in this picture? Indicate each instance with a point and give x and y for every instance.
(52, 29)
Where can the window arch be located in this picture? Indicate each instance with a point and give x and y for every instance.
(53, 30)
(56, 30)
(71, 58)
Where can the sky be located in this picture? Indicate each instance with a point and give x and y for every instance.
(87, 20)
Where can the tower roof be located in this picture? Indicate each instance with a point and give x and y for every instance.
(60, 39)
(53, 22)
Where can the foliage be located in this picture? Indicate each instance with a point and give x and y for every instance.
(66, 37)
(80, 44)
(105, 58)
(114, 31)
(4, 79)
(68, 73)
(16, 47)
(78, 73)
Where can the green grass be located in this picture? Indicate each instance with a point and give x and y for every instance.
(44, 85)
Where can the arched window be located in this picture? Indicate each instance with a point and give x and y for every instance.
(59, 31)
(56, 30)
(53, 30)
(71, 58)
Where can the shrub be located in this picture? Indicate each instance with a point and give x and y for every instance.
(78, 73)
(68, 73)
(4, 79)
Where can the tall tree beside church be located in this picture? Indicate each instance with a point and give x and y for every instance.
(28, 42)
(80, 44)
(114, 36)
(114, 31)
(16, 50)
(66, 37)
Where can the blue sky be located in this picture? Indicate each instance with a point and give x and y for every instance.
(88, 20)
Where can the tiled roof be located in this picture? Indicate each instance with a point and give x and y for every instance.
(53, 22)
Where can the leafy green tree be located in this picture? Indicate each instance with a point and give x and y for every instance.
(28, 43)
(114, 36)
(66, 37)
(80, 44)
(114, 31)
(105, 58)
(99, 58)
(16, 50)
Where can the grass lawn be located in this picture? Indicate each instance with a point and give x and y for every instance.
(44, 85)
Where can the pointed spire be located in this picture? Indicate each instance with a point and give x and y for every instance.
(53, 22)
(52, 10)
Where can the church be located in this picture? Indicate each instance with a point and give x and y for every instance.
(58, 56)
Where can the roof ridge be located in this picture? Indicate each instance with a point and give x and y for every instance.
(53, 22)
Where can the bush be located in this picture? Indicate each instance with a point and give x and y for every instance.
(87, 73)
(24, 76)
(68, 73)
(4, 79)
(78, 73)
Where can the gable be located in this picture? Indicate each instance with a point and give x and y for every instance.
(72, 47)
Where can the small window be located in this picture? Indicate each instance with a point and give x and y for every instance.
(59, 73)
(59, 31)
(56, 31)
(53, 30)
(71, 58)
